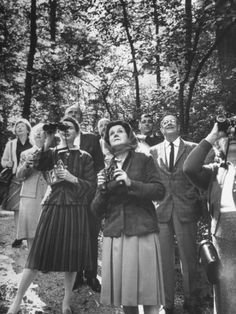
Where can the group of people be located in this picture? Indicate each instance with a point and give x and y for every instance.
(146, 190)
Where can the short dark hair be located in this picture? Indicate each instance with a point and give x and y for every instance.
(146, 115)
(124, 124)
(73, 121)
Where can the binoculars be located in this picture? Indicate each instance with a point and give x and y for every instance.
(53, 127)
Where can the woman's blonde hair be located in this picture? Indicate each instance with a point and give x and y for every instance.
(26, 122)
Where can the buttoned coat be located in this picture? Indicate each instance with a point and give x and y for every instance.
(181, 196)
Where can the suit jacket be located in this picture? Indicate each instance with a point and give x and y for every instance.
(181, 196)
(89, 142)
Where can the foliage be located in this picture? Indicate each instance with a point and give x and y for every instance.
(84, 56)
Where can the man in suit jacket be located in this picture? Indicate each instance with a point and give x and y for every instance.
(177, 213)
(89, 142)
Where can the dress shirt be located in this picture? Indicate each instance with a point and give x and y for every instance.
(176, 144)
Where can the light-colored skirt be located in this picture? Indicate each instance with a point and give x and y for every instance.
(131, 271)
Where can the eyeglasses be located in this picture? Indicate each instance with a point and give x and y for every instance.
(149, 121)
(167, 121)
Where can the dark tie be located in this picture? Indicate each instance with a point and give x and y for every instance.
(171, 160)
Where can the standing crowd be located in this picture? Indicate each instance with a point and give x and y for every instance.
(143, 191)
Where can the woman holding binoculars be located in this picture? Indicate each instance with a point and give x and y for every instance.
(219, 179)
(61, 241)
(131, 262)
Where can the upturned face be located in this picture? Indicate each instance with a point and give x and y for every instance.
(70, 134)
(117, 135)
(39, 136)
(169, 126)
(75, 113)
(146, 125)
(21, 129)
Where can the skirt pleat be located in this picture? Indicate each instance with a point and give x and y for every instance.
(61, 241)
(132, 271)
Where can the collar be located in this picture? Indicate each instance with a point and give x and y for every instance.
(176, 142)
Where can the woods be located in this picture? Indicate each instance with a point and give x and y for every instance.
(117, 59)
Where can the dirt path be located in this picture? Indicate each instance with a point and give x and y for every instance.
(45, 295)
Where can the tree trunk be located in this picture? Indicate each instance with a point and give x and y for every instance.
(157, 56)
(52, 16)
(225, 13)
(133, 54)
(30, 62)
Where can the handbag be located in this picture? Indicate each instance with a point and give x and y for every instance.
(210, 261)
(209, 258)
(5, 180)
(5, 177)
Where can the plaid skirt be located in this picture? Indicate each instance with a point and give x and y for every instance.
(132, 271)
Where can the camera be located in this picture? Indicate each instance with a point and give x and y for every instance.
(227, 125)
(53, 127)
(223, 122)
(110, 177)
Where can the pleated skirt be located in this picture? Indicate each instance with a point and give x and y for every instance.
(12, 201)
(61, 241)
(132, 271)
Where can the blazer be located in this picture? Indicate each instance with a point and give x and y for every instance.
(181, 195)
(89, 142)
(130, 210)
(33, 180)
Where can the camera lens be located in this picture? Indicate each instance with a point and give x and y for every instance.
(223, 123)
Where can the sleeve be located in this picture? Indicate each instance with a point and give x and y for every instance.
(6, 155)
(86, 184)
(151, 188)
(99, 203)
(194, 168)
(23, 171)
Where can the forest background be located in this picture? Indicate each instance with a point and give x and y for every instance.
(117, 59)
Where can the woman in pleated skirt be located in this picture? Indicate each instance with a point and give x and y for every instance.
(61, 241)
(131, 259)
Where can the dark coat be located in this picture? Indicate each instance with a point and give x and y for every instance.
(89, 142)
(130, 210)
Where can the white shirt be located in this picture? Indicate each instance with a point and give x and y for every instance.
(77, 140)
(168, 147)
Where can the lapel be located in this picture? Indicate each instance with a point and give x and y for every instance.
(160, 156)
(182, 148)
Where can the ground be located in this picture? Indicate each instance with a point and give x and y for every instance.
(45, 295)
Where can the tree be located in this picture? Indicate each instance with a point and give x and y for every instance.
(30, 62)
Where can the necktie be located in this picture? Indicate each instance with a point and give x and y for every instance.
(171, 160)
